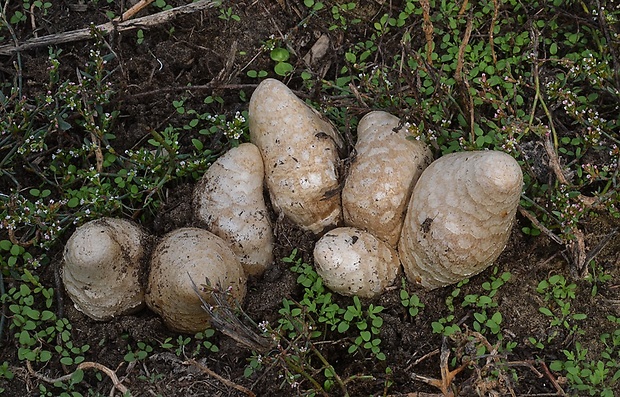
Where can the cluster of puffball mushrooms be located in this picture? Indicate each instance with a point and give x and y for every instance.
(443, 221)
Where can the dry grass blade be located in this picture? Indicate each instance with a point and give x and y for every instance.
(223, 319)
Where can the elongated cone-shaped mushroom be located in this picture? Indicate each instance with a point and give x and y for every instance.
(300, 153)
(354, 262)
(102, 268)
(460, 216)
(380, 180)
(185, 255)
(229, 201)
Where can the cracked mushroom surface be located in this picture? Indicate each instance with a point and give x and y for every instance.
(460, 216)
(229, 201)
(300, 152)
(102, 268)
(185, 255)
(382, 175)
(354, 262)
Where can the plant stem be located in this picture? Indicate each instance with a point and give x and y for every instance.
(3, 313)
(328, 365)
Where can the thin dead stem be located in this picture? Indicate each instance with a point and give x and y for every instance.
(492, 29)
(220, 378)
(85, 365)
(106, 28)
(462, 80)
(428, 30)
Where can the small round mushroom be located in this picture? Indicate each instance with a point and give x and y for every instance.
(102, 267)
(460, 216)
(300, 153)
(354, 262)
(185, 255)
(382, 176)
(229, 201)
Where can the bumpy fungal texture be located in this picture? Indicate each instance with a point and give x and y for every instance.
(354, 262)
(459, 217)
(184, 255)
(229, 201)
(300, 153)
(382, 176)
(102, 268)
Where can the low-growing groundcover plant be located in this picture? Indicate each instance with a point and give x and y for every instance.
(538, 80)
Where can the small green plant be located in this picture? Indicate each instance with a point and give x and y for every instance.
(67, 387)
(161, 4)
(204, 342)
(192, 347)
(339, 12)
(444, 324)
(227, 14)
(410, 301)
(318, 301)
(559, 294)
(594, 377)
(5, 373)
(14, 256)
(368, 323)
(597, 276)
(303, 324)
(281, 57)
(39, 334)
(484, 321)
(153, 378)
(257, 74)
(139, 353)
(140, 36)
(314, 5)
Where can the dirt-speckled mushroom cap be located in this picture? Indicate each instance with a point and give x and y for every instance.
(184, 255)
(354, 262)
(300, 153)
(229, 201)
(381, 178)
(460, 216)
(103, 266)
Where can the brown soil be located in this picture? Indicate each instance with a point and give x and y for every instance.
(196, 49)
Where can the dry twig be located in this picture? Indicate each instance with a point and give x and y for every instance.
(225, 381)
(462, 81)
(136, 8)
(85, 365)
(445, 383)
(428, 30)
(106, 28)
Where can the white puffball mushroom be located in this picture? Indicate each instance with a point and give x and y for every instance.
(300, 153)
(182, 256)
(354, 262)
(102, 267)
(382, 176)
(229, 201)
(460, 216)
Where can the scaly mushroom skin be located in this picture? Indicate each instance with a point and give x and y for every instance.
(300, 153)
(184, 255)
(102, 268)
(460, 216)
(382, 176)
(229, 201)
(354, 262)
